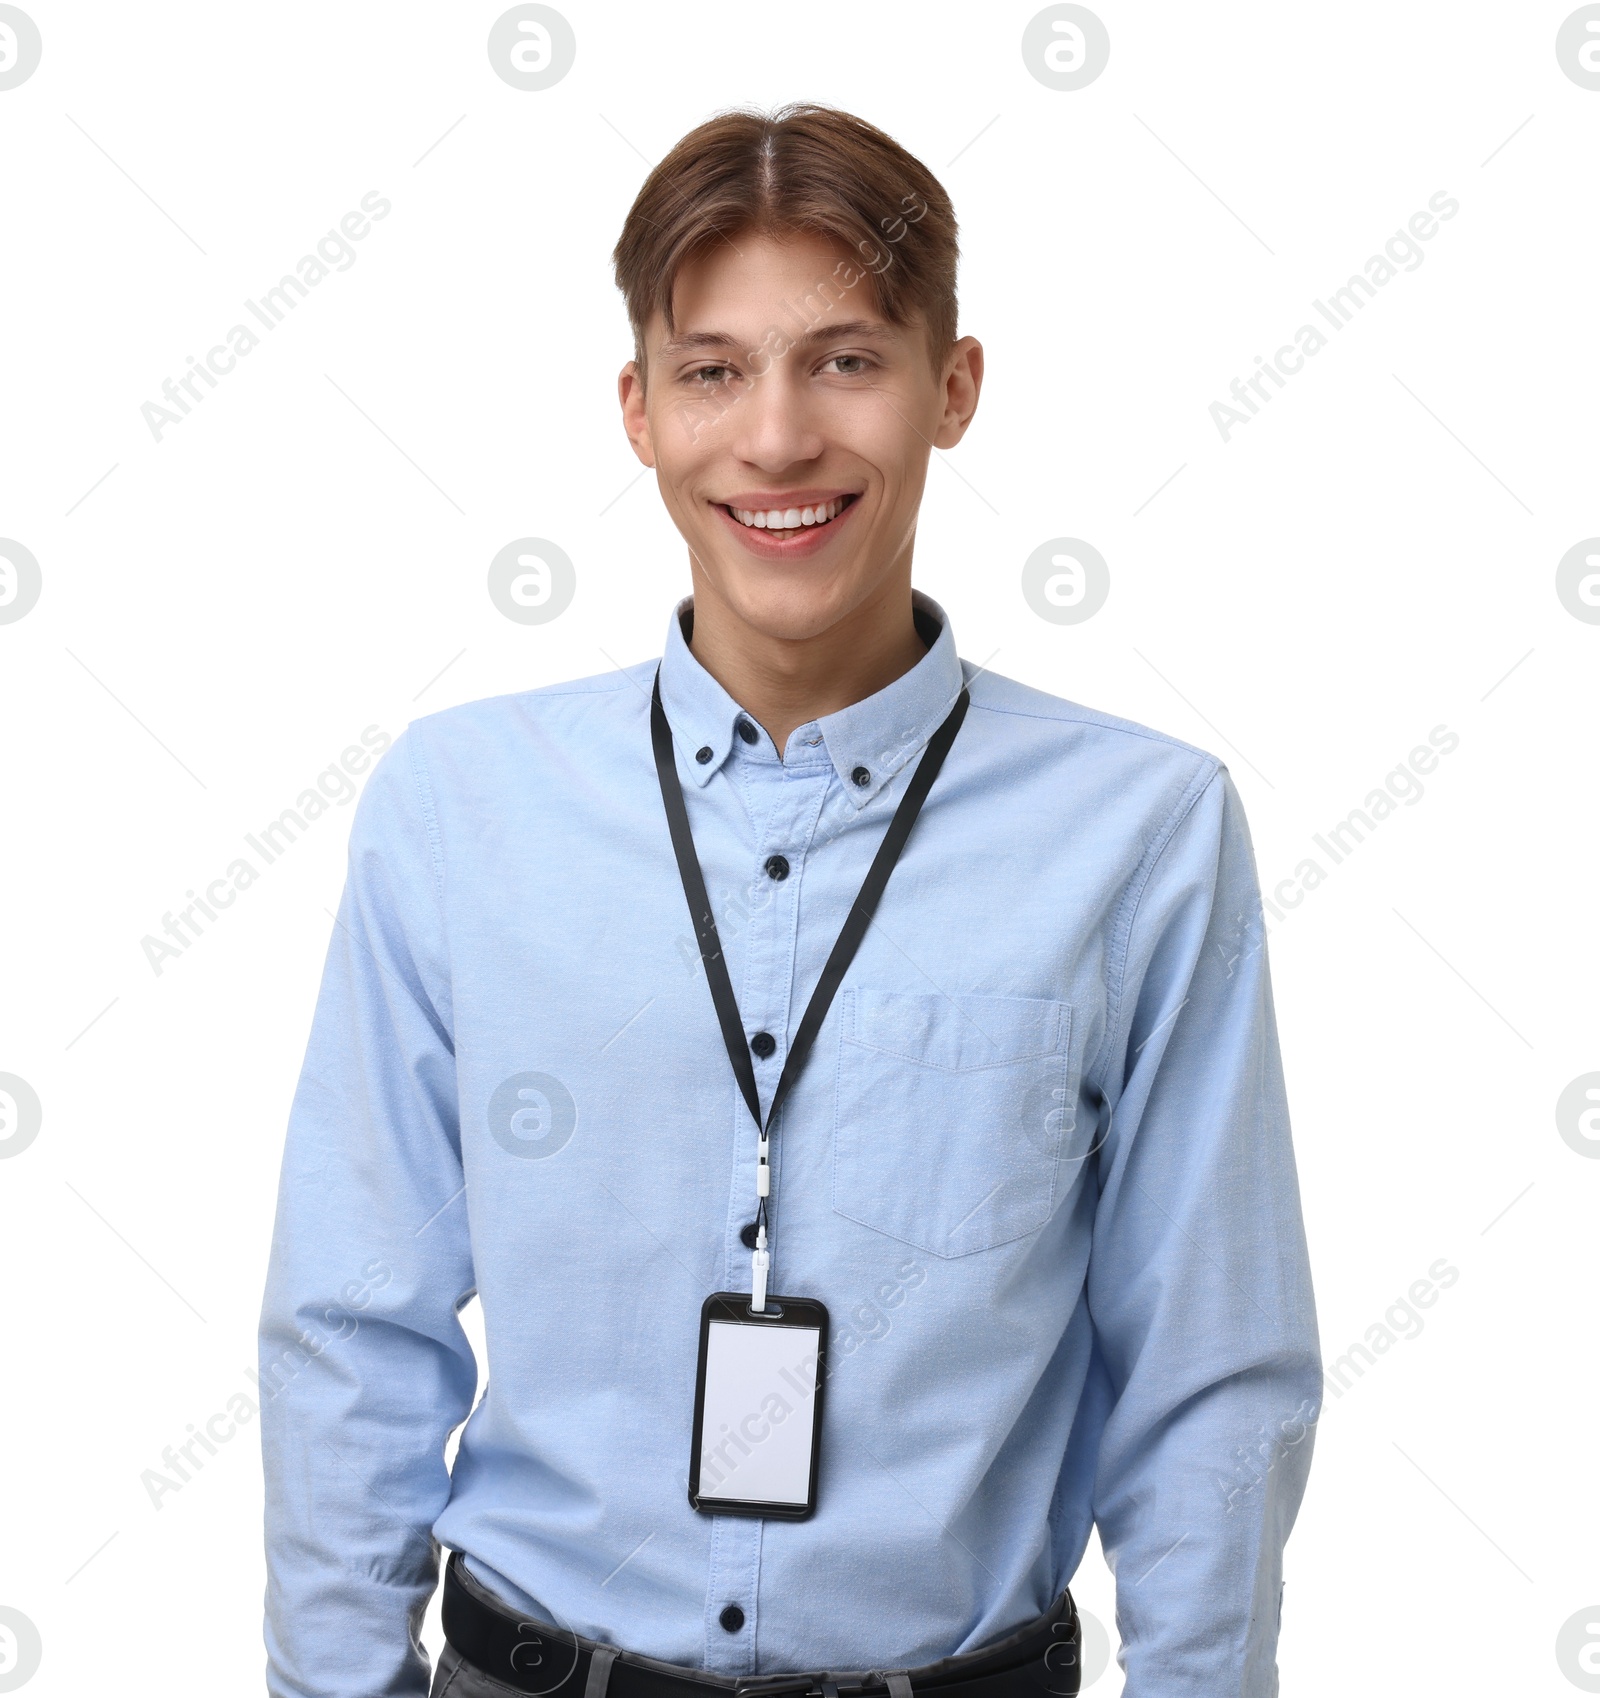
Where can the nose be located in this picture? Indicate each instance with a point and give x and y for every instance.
(774, 424)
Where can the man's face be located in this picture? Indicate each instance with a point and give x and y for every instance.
(789, 425)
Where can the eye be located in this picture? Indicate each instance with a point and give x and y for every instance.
(708, 375)
(850, 365)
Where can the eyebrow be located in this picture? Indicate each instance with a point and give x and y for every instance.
(858, 329)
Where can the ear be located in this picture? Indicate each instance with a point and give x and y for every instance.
(635, 419)
(961, 383)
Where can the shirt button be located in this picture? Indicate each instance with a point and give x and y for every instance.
(747, 1235)
(777, 867)
(732, 1618)
(703, 755)
(861, 776)
(763, 1043)
(749, 733)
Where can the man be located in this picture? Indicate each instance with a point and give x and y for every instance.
(1032, 1157)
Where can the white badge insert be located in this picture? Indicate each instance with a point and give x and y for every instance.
(756, 1434)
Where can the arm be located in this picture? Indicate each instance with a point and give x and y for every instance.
(1199, 1286)
(364, 1366)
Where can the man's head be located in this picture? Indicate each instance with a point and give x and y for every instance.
(791, 286)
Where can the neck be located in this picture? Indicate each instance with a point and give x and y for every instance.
(784, 682)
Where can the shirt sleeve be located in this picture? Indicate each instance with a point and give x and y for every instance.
(364, 1367)
(1199, 1285)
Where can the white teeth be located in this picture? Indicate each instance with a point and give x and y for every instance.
(788, 518)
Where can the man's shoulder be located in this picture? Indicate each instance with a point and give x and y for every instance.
(1126, 786)
(1075, 731)
(622, 693)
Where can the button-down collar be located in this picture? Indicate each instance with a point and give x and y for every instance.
(877, 736)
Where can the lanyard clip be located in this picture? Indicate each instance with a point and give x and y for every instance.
(760, 1261)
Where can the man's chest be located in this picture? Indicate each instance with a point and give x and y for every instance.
(943, 1108)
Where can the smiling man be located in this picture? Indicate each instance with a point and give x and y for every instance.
(848, 1079)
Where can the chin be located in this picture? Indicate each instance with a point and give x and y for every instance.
(789, 609)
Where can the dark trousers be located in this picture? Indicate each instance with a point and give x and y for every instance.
(461, 1680)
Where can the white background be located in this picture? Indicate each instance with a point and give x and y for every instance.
(224, 610)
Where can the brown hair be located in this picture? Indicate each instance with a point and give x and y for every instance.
(803, 167)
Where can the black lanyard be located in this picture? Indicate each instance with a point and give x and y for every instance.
(850, 935)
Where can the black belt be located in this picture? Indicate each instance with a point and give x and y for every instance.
(1041, 1657)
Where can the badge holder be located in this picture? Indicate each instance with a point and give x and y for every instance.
(758, 1407)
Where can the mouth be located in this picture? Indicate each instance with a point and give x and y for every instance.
(783, 532)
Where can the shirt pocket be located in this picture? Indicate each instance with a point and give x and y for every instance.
(949, 1116)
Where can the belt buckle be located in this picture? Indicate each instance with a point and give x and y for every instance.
(777, 1686)
(821, 1685)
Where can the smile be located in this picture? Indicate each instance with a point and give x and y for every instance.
(786, 521)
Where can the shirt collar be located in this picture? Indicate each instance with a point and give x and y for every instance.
(876, 736)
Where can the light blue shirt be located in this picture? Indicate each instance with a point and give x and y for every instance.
(1037, 1167)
